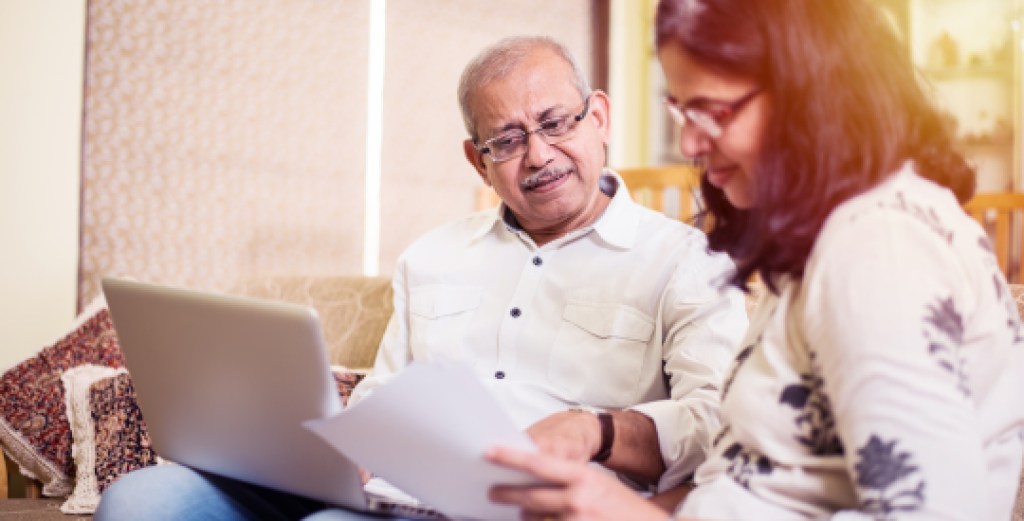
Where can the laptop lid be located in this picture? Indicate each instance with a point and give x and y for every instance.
(224, 384)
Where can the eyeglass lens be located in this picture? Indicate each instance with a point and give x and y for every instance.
(552, 131)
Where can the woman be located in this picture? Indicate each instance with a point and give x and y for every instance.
(881, 375)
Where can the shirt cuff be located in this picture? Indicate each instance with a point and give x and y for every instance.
(684, 437)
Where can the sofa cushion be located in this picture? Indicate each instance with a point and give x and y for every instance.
(121, 440)
(346, 380)
(34, 428)
(353, 310)
(110, 437)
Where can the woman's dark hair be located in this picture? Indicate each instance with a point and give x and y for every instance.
(847, 109)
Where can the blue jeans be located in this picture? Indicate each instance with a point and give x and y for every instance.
(179, 493)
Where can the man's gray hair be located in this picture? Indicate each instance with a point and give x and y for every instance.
(498, 60)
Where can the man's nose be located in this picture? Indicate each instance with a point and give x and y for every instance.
(538, 151)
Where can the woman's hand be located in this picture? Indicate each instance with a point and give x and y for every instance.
(574, 490)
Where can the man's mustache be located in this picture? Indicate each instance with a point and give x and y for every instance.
(543, 176)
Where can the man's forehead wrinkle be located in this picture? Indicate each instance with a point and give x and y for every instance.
(516, 122)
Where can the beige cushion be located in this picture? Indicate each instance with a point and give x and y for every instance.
(353, 310)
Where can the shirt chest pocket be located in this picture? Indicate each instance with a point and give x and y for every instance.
(439, 317)
(599, 353)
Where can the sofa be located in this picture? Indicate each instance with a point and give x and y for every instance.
(79, 380)
(353, 312)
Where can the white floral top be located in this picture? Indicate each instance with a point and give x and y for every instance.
(886, 384)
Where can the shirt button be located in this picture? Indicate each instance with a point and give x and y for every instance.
(499, 375)
(515, 312)
(537, 261)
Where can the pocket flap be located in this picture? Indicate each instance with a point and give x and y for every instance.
(440, 300)
(610, 320)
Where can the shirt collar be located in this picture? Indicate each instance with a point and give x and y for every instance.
(617, 225)
(490, 221)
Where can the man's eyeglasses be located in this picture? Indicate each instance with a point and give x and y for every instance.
(709, 116)
(513, 143)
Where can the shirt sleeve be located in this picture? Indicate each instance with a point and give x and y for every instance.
(884, 303)
(394, 352)
(702, 326)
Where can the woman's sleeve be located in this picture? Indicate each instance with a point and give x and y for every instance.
(882, 306)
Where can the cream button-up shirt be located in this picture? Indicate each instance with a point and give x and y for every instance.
(626, 313)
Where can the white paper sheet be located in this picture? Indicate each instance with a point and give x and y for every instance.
(425, 431)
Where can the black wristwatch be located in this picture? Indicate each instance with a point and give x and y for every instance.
(604, 450)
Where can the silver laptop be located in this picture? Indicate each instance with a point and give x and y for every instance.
(224, 384)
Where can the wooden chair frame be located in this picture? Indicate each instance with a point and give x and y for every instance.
(650, 186)
(33, 488)
(1002, 217)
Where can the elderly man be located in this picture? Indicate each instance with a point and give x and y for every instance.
(570, 299)
(597, 323)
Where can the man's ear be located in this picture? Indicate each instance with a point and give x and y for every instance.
(476, 159)
(600, 110)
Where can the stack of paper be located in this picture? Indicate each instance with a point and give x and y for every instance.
(425, 431)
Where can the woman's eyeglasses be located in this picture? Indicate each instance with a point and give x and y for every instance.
(710, 116)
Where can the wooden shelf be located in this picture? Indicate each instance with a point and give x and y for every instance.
(1002, 72)
(983, 144)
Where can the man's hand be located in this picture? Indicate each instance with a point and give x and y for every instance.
(571, 435)
(576, 436)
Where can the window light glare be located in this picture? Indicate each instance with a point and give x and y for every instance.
(374, 132)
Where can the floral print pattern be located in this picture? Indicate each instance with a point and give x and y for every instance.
(882, 474)
(32, 403)
(745, 464)
(926, 214)
(944, 347)
(122, 441)
(816, 426)
(743, 355)
(346, 381)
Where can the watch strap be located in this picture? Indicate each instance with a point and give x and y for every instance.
(607, 424)
(607, 437)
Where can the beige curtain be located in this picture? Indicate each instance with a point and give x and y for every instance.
(226, 139)
(426, 179)
(222, 139)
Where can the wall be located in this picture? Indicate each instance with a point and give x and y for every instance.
(632, 63)
(41, 49)
(426, 179)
